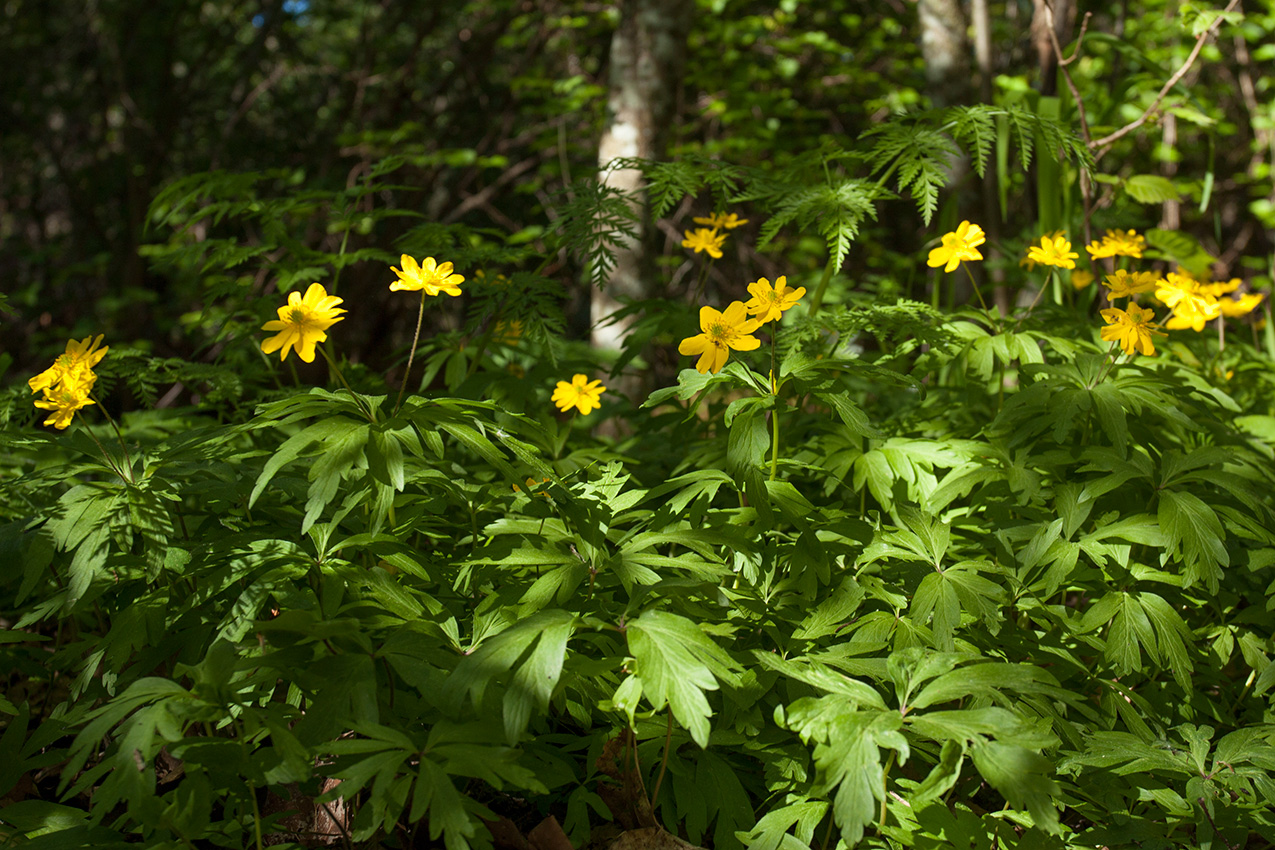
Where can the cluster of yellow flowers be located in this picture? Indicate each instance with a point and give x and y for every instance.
(1192, 302)
(707, 239)
(67, 383)
(732, 329)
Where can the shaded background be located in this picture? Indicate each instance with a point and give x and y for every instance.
(497, 106)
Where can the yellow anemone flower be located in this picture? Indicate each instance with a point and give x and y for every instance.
(769, 303)
(1233, 308)
(1192, 304)
(722, 331)
(582, 394)
(1117, 243)
(303, 322)
(716, 220)
(1126, 285)
(431, 276)
(1081, 278)
(705, 240)
(960, 244)
(1053, 251)
(63, 400)
(1132, 328)
(78, 359)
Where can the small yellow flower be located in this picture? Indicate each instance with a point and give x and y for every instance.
(303, 322)
(716, 220)
(1053, 251)
(1233, 308)
(961, 244)
(1133, 328)
(1081, 278)
(1124, 284)
(704, 239)
(507, 332)
(722, 331)
(1117, 243)
(80, 357)
(769, 303)
(582, 394)
(1192, 304)
(1217, 290)
(64, 400)
(430, 276)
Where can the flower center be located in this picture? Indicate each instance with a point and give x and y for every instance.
(298, 315)
(718, 331)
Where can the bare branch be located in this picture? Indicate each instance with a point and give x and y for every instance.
(1101, 146)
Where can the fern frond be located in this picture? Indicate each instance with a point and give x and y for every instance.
(595, 224)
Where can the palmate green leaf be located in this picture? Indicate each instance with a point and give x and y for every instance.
(1194, 535)
(1023, 779)
(847, 753)
(534, 650)
(790, 827)
(675, 663)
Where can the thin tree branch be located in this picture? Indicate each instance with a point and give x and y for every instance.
(1101, 146)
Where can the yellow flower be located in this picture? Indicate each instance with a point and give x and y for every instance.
(430, 276)
(705, 239)
(1233, 308)
(1053, 251)
(80, 357)
(1217, 290)
(1081, 278)
(1192, 304)
(581, 393)
(507, 332)
(1125, 285)
(716, 220)
(1117, 243)
(722, 331)
(960, 244)
(64, 400)
(303, 322)
(1133, 328)
(769, 303)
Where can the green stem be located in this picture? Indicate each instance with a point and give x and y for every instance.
(420, 315)
(885, 789)
(817, 299)
(974, 284)
(118, 436)
(703, 279)
(106, 456)
(659, 780)
(336, 370)
(774, 413)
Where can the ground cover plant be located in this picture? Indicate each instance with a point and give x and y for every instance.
(807, 564)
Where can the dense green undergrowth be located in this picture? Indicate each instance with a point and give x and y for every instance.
(905, 575)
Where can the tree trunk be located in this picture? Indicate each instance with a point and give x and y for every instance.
(647, 53)
(1044, 45)
(945, 50)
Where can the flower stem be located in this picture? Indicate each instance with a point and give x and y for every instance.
(774, 413)
(817, 298)
(128, 461)
(420, 315)
(106, 456)
(974, 284)
(336, 370)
